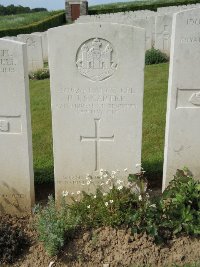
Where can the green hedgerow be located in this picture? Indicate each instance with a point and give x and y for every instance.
(154, 56)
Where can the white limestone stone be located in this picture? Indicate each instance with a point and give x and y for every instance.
(163, 30)
(97, 76)
(43, 36)
(182, 146)
(14, 38)
(34, 50)
(149, 25)
(16, 163)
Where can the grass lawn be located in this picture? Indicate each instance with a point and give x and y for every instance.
(138, 3)
(15, 21)
(155, 96)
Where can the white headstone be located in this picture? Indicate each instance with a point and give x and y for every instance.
(97, 76)
(43, 36)
(16, 163)
(34, 50)
(182, 146)
(163, 30)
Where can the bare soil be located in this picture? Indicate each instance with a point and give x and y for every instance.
(118, 248)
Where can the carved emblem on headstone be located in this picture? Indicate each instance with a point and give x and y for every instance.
(195, 99)
(30, 42)
(4, 126)
(96, 59)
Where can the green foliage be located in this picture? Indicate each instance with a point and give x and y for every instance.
(137, 5)
(54, 225)
(40, 74)
(12, 10)
(13, 243)
(51, 21)
(112, 205)
(155, 56)
(21, 20)
(105, 210)
(180, 204)
(177, 211)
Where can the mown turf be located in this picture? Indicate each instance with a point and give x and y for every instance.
(42, 130)
(142, 3)
(155, 96)
(15, 21)
(154, 117)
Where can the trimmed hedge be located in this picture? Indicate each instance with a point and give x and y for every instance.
(135, 7)
(39, 26)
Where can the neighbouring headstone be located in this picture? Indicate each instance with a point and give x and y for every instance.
(34, 50)
(16, 163)
(149, 25)
(163, 30)
(97, 77)
(182, 146)
(43, 36)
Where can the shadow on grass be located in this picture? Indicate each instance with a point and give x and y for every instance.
(154, 173)
(44, 184)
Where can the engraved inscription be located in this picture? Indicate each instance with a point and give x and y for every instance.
(190, 40)
(96, 101)
(193, 21)
(97, 139)
(30, 42)
(195, 99)
(7, 64)
(188, 98)
(4, 126)
(96, 59)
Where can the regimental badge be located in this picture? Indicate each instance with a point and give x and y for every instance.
(96, 59)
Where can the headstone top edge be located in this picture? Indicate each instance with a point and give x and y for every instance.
(65, 27)
(13, 41)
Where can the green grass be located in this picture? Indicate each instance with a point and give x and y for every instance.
(16, 21)
(42, 130)
(155, 96)
(142, 3)
(155, 101)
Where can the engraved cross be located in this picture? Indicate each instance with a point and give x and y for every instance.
(97, 139)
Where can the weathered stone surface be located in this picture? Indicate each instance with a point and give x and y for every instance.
(34, 50)
(163, 30)
(44, 39)
(97, 76)
(16, 163)
(182, 146)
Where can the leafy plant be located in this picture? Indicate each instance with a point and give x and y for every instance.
(13, 242)
(180, 204)
(112, 204)
(155, 56)
(54, 225)
(40, 74)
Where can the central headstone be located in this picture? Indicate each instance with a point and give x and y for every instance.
(97, 81)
